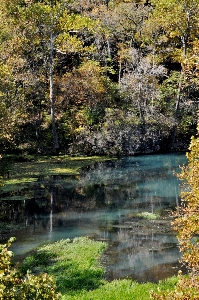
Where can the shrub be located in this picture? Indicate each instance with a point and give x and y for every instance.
(14, 286)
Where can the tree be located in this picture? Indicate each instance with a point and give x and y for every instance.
(11, 88)
(191, 66)
(83, 96)
(140, 84)
(172, 23)
(169, 31)
(45, 28)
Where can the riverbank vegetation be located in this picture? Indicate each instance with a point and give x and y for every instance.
(77, 268)
(98, 77)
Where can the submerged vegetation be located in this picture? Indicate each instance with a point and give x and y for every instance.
(26, 169)
(148, 215)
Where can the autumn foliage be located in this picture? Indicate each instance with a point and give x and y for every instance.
(17, 287)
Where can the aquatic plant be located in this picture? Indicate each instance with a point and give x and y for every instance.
(147, 215)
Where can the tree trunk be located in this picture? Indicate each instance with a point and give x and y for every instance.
(120, 72)
(52, 106)
(184, 40)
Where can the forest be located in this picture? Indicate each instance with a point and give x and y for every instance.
(105, 77)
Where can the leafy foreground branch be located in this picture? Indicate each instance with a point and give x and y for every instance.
(14, 286)
(75, 267)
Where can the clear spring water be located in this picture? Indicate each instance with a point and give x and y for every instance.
(104, 203)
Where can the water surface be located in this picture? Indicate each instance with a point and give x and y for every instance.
(104, 203)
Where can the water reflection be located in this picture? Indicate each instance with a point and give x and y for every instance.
(103, 203)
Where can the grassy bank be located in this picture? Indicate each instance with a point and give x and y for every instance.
(75, 265)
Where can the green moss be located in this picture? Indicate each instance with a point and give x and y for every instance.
(48, 165)
(19, 198)
(28, 171)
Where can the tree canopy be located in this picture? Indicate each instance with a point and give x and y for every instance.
(98, 77)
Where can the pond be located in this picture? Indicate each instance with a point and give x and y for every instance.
(108, 202)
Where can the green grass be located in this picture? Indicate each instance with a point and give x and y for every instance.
(75, 265)
(125, 289)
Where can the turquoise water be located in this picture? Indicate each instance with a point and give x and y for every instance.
(104, 203)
